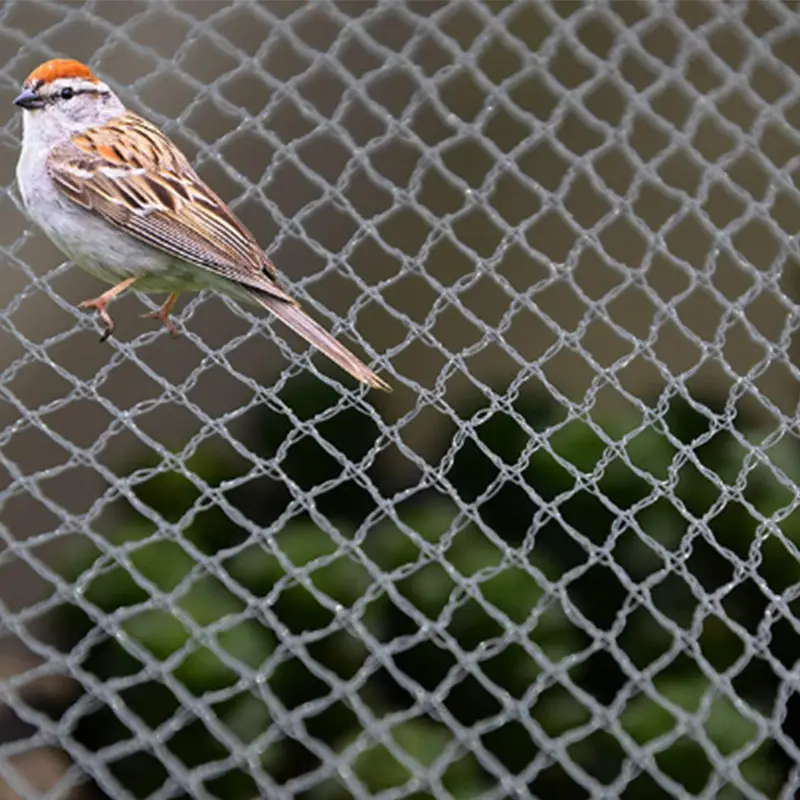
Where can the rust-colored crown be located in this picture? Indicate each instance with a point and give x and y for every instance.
(60, 68)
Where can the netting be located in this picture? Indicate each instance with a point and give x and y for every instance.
(561, 559)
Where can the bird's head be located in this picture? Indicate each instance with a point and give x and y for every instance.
(63, 96)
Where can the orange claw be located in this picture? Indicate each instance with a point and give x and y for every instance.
(99, 304)
(163, 314)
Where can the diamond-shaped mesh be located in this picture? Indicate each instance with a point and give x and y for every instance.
(561, 559)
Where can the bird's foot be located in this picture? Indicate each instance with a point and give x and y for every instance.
(99, 304)
(163, 314)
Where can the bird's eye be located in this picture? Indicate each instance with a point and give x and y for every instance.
(67, 92)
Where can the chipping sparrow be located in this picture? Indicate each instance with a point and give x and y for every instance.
(120, 200)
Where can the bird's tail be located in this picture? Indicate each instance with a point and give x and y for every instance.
(293, 316)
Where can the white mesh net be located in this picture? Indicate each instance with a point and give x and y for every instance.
(561, 559)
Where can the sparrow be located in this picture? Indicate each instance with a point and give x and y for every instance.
(120, 200)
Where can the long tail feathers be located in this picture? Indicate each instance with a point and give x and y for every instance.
(293, 316)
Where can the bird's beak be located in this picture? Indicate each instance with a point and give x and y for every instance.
(29, 100)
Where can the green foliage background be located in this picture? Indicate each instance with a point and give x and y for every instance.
(544, 611)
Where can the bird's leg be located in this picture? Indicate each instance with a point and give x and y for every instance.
(164, 312)
(99, 304)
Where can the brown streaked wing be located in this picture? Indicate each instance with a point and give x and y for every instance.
(131, 175)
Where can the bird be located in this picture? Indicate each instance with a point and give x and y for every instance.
(121, 201)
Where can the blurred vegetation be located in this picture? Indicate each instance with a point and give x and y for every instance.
(586, 597)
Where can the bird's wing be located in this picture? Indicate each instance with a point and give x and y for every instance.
(130, 174)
